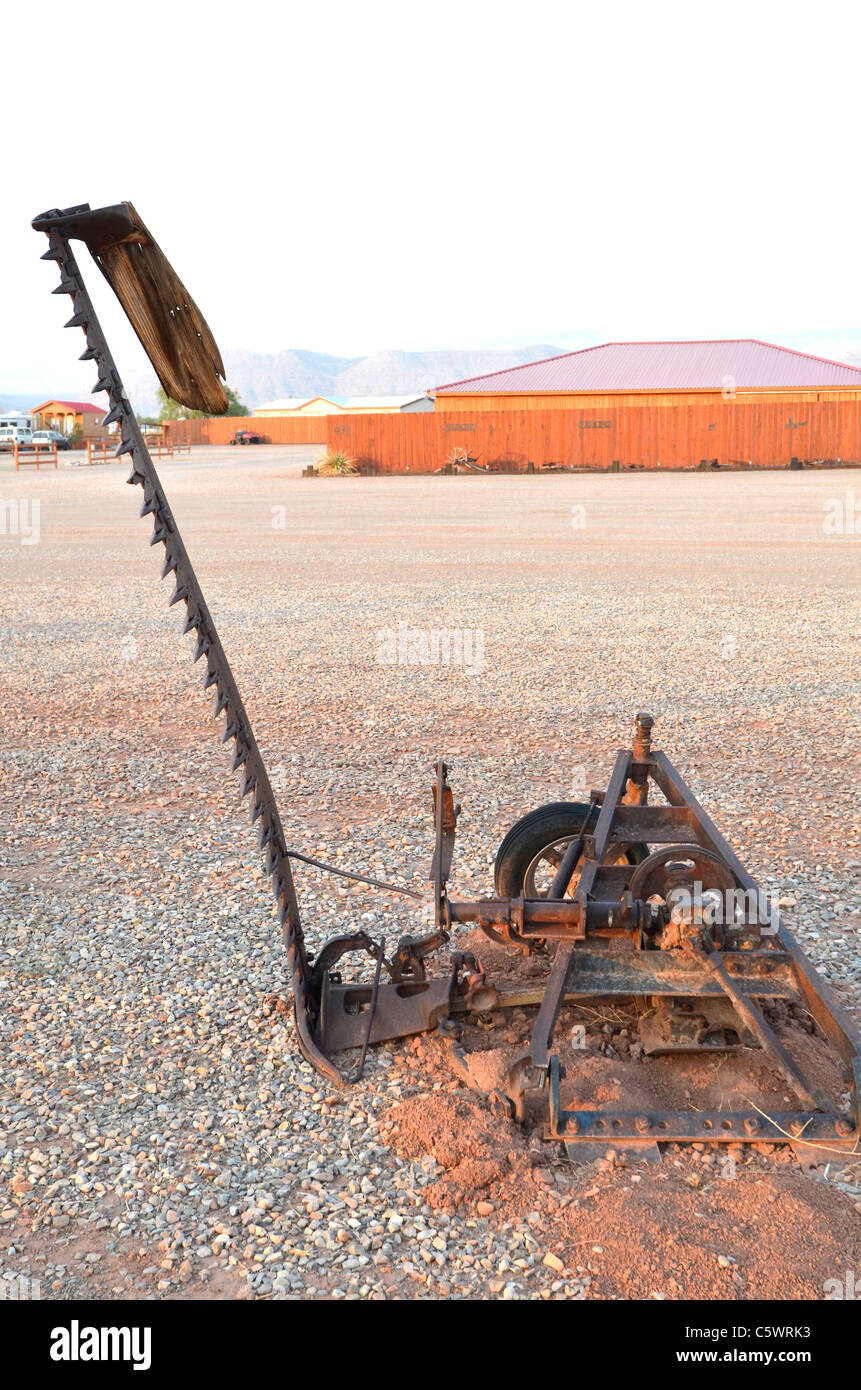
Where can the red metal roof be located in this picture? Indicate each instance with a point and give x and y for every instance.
(711, 365)
(72, 405)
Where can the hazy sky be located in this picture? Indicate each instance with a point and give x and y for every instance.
(352, 177)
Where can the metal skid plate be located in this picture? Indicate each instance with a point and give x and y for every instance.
(402, 1009)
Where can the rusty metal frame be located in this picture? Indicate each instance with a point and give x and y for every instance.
(659, 824)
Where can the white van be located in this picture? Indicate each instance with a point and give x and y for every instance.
(15, 429)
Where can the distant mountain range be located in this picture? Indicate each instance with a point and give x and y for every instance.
(259, 377)
(262, 377)
(10, 402)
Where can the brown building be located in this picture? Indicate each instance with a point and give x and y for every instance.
(729, 402)
(70, 416)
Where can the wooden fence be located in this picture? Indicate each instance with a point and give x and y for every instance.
(283, 429)
(34, 453)
(735, 433)
(684, 436)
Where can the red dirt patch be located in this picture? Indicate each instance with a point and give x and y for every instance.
(735, 1224)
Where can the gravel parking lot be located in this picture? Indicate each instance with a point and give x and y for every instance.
(159, 1134)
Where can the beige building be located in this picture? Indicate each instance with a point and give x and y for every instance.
(343, 405)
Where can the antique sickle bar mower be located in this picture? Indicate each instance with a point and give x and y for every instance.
(641, 900)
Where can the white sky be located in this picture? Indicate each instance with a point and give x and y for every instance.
(352, 177)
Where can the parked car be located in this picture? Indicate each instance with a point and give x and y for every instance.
(246, 437)
(14, 429)
(48, 438)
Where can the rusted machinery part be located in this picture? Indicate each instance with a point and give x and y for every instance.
(551, 837)
(710, 862)
(542, 836)
(678, 866)
(171, 328)
(680, 874)
(355, 877)
(525, 923)
(748, 1012)
(247, 759)
(306, 1039)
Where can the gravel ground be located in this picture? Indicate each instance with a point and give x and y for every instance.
(159, 1134)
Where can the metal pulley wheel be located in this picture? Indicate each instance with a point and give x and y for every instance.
(692, 884)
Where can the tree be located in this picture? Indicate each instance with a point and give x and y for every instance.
(236, 406)
(172, 410)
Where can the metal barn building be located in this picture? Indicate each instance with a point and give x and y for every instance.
(672, 373)
(732, 402)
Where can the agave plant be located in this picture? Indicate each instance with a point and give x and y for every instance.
(336, 462)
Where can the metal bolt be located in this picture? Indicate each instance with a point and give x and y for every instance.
(643, 737)
(844, 1127)
(642, 1123)
(572, 1123)
(751, 1124)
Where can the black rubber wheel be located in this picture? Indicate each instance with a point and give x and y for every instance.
(533, 849)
